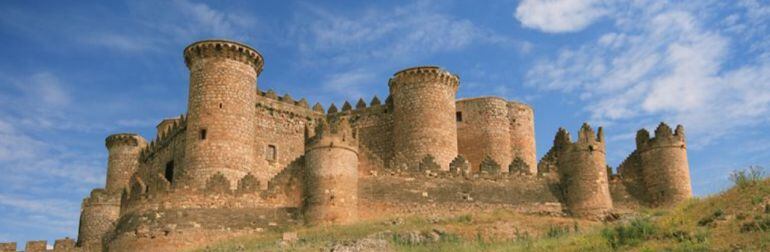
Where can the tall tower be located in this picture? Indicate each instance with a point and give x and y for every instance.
(522, 120)
(331, 160)
(424, 115)
(582, 168)
(664, 166)
(123, 160)
(221, 127)
(483, 131)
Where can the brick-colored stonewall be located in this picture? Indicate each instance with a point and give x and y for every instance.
(221, 127)
(424, 115)
(270, 161)
(123, 159)
(582, 168)
(332, 175)
(483, 130)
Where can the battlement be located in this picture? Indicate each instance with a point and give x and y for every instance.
(130, 139)
(100, 196)
(223, 49)
(664, 137)
(164, 138)
(424, 74)
(338, 133)
(374, 107)
(587, 140)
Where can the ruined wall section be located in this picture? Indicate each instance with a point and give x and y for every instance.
(331, 163)
(582, 169)
(631, 181)
(123, 160)
(424, 115)
(483, 131)
(221, 127)
(522, 128)
(97, 218)
(664, 165)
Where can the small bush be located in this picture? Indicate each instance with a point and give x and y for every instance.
(748, 177)
(637, 231)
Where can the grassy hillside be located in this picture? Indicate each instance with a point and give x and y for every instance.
(737, 219)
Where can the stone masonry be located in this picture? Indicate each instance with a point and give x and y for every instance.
(242, 160)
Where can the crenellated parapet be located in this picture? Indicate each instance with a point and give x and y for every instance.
(423, 74)
(223, 49)
(659, 166)
(173, 128)
(582, 171)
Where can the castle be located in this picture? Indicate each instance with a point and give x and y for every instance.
(242, 161)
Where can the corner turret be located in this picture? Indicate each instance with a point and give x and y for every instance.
(664, 166)
(331, 160)
(123, 159)
(582, 169)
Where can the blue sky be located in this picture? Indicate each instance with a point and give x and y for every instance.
(73, 72)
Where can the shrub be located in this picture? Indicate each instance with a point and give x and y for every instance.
(747, 177)
(557, 231)
(637, 231)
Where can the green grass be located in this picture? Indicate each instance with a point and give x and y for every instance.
(737, 219)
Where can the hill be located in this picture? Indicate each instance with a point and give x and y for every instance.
(737, 219)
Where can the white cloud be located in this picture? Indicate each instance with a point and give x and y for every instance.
(555, 16)
(351, 85)
(666, 65)
(402, 33)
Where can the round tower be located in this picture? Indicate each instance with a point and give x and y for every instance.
(97, 217)
(522, 124)
(331, 160)
(123, 159)
(582, 168)
(424, 115)
(221, 126)
(483, 130)
(665, 170)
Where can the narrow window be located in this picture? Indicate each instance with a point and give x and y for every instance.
(271, 153)
(220, 105)
(459, 116)
(203, 134)
(169, 174)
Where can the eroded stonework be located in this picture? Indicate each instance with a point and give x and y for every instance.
(242, 161)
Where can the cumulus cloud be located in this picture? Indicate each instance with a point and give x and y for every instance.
(555, 16)
(667, 65)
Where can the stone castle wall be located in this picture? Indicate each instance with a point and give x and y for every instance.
(657, 172)
(582, 169)
(97, 218)
(522, 119)
(483, 131)
(221, 126)
(123, 160)
(243, 160)
(331, 166)
(424, 115)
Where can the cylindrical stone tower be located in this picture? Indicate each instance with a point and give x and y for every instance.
(221, 127)
(665, 170)
(97, 217)
(483, 130)
(331, 160)
(522, 123)
(123, 160)
(424, 115)
(582, 168)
